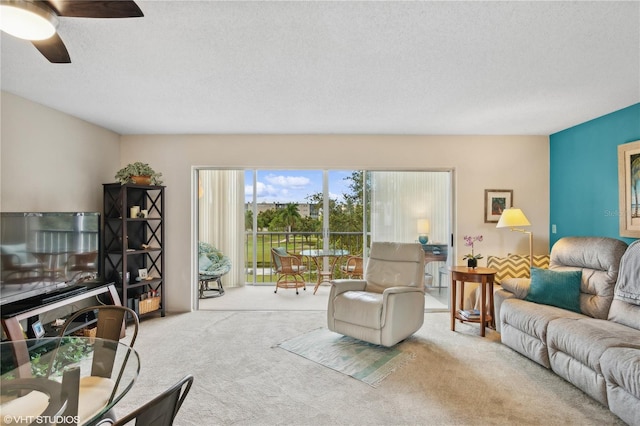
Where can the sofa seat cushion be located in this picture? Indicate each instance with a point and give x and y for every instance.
(621, 370)
(587, 339)
(532, 318)
(576, 348)
(359, 307)
(524, 327)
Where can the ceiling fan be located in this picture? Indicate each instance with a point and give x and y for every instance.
(37, 20)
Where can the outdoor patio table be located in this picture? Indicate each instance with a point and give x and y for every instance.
(318, 256)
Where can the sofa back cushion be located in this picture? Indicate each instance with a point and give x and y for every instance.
(515, 266)
(599, 260)
(625, 308)
(394, 264)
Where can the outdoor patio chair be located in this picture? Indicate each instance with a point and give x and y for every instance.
(353, 267)
(289, 269)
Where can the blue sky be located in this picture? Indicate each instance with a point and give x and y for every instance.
(293, 186)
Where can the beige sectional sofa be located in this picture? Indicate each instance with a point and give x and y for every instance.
(597, 347)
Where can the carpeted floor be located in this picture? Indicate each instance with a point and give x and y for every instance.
(243, 378)
(262, 298)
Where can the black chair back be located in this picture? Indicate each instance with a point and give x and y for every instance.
(161, 410)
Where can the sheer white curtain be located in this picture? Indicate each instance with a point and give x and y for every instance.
(400, 199)
(221, 217)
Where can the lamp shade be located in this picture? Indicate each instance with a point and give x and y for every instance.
(512, 217)
(423, 226)
(27, 20)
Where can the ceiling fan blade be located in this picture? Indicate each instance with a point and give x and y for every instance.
(95, 8)
(53, 49)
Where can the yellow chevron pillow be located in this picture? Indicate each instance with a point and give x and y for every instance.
(515, 265)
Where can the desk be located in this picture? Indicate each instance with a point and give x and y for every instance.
(435, 253)
(485, 277)
(84, 356)
(318, 256)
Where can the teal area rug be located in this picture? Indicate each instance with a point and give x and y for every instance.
(361, 360)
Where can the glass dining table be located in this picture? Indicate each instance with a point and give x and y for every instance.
(325, 274)
(63, 380)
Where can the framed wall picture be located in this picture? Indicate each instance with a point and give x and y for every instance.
(629, 189)
(495, 201)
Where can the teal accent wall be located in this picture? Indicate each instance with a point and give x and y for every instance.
(584, 175)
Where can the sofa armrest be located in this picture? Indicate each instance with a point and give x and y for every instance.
(402, 289)
(518, 286)
(406, 299)
(342, 285)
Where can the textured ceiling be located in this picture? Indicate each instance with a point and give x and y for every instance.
(340, 67)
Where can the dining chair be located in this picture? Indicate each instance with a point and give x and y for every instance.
(44, 399)
(289, 269)
(98, 389)
(161, 410)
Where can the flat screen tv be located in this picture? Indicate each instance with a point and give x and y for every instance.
(47, 253)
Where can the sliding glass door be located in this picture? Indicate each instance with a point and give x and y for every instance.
(407, 205)
(245, 213)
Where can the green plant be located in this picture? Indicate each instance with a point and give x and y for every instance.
(138, 169)
(70, 351)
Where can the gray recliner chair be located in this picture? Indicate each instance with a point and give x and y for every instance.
(387, 306)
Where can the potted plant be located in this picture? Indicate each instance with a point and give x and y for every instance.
(472, 258)
(140, 173)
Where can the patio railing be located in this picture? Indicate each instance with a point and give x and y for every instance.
(294, 242)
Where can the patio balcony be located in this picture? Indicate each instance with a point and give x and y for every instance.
(261, 271)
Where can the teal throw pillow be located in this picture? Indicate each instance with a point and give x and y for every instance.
(555, 288)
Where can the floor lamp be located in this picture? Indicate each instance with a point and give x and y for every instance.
(513, 218)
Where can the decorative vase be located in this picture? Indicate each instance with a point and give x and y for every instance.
(141, 180)
(472, 263)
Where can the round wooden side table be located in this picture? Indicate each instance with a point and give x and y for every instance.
(485, 277)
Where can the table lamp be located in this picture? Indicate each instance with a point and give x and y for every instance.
(423, 231)
(513, 218)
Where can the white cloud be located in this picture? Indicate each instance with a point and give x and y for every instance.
(288, 181)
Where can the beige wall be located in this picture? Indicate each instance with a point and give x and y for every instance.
(520, 163)
(51, 161)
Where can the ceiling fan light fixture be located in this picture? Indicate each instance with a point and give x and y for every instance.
(26, 20)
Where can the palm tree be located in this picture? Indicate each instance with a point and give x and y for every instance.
(635, 179)
(289, 215)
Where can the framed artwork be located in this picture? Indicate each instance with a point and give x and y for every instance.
(143, 274)
(629, 189)
(495, 201)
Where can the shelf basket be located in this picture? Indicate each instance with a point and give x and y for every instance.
(149, 305)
